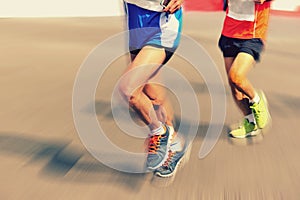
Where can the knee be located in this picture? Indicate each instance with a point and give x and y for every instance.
(128, 94)
(235, 78)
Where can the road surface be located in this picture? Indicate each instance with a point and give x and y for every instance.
(42, 156)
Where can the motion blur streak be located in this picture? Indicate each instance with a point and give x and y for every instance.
(41, 154)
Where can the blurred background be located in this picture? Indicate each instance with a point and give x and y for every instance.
(43, 45)
(67, 8)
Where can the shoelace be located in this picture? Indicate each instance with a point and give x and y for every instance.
(154, 143)
(256, 111)
(169, 159)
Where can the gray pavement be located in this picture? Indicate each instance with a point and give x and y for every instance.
(42, 156)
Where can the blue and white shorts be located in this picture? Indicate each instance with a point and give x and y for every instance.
(151, 28)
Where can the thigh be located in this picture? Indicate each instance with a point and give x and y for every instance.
(242, 64)
(228, 61)
(145, 66)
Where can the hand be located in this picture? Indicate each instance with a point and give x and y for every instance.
(259, 1)
(173, 6)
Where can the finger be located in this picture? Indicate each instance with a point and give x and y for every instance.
(173, 9)
(173, 6)
(170, 5)
(167, 8)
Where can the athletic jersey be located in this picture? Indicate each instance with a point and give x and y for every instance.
(244, 27)
(153, 5)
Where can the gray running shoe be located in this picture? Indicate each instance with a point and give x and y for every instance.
(158, 148)
(175, 158)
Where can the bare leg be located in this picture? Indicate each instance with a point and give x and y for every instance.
(162, 106)
(242, 90)
(144, 66)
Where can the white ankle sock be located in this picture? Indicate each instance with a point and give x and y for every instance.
(250, 118)
(256, 98)
(158, 131)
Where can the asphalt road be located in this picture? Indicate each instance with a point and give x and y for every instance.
(42, 156)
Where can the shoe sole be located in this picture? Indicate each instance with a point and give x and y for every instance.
(171, 132)
(182, 161)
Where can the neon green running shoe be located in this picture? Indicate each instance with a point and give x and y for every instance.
(247, 129)
(260, 111)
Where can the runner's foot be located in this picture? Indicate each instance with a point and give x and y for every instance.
(246, 129)
(177, 154)
(260, 111)
(158, 147)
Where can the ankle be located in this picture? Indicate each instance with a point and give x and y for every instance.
(255, 99)
(250, 118)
